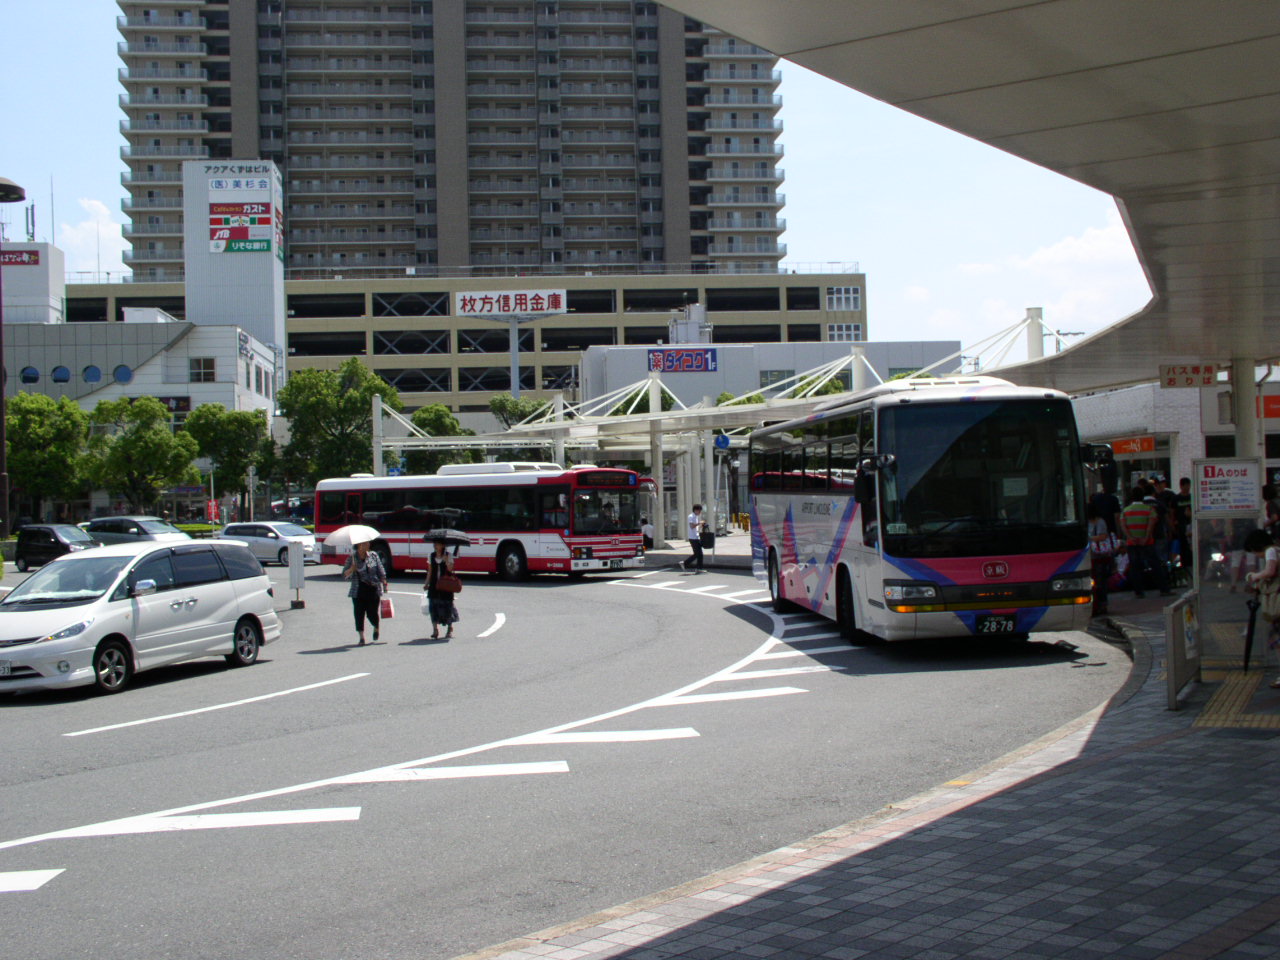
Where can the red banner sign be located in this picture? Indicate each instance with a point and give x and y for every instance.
(1132, 445)
(19, 258)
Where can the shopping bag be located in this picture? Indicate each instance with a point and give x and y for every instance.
(425, 605)
(386, 609)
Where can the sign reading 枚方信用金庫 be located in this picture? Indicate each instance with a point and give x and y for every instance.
(683, 360)
(1228, 487)
(505, 303)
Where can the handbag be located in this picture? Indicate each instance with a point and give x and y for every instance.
(449, 583)
(386, 609)
(1269, 596)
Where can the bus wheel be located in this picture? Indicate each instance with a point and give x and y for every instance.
(512, 565)
(775, 587)
(844, 607)
(384, 554)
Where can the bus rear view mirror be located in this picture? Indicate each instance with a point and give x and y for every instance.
(872, 464)
(864, 488)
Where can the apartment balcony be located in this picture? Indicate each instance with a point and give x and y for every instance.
(483, 137)
(530, 160)
(478, 42)
(372, 15)
(577, 114)
(744, 150)
(328, 91)
(139, 100)
(310, 138)
(152, 230)
(746, 200)
(484, 113)
(485, 235)
(135, 178)
(152, 256)
(499, 67)
(300, 188)
(716, 174)
(742, 76)
(165, 126)
(501, 186)
(501, 211)
(572, 65)
(598, 185)
(745, 225)
(755, 250)
(500, 90)
(350, 163)
(132, 204)
(332, 238)
(164, 152)
(597, 163)
(729, 49)
(574, 41)
(599, 210)
(352, 115)
(580, 234)
(741, 99)
(137, 48)
(349, 212)
(610, 89)
(176, 22)
(335, 65)
(716, 124)
(341, 41)
(497, 16)
(599, 136)
(161, 74)
(594, 17)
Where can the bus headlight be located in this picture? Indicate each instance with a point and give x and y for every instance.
(912, 596)
(1079, 582)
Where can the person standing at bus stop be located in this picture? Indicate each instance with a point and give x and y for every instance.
(368, 583)
(696, 525)
(1138, 525)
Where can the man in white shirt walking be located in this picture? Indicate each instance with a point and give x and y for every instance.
(696, 525)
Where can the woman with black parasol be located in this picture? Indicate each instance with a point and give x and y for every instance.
(440, 601)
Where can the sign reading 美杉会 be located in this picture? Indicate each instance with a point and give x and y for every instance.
(504, 303)
(242, 216)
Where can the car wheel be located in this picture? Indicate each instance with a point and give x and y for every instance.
(512, 565)
(112, 666)
(246, 641)
(283, 556)
(21, 564)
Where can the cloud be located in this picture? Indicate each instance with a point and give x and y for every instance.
(916, 294)
(95, 243)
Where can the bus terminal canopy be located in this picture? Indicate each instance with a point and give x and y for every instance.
(1168, 105)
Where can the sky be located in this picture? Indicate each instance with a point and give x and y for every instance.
(955, 237)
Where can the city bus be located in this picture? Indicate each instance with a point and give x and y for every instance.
(926, 508)
(521, 517)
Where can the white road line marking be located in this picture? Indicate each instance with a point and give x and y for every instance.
(734, 695)
(498, 620)
(219, 706)
(805, 652)
(664, 583)
(22, 881)
(709, 589)
(782, 672)
(399, 775)
(155, 823)
(762, 594)
(610, 736)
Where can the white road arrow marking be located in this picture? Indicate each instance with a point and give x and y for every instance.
(22, 881)
(498, 620)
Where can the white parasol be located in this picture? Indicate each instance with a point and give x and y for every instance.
(345, 538)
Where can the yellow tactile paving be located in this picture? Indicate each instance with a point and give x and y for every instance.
(1229, 706)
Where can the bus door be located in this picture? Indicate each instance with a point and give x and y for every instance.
(864, 538)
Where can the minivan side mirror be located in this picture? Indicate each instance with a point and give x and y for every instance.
(144, 588)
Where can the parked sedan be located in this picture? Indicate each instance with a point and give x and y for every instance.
(133, 529)
(99, 616)
(269, 540)
(38, 543)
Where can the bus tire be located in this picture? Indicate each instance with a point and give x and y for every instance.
(780, 605)
(384, 554)
(845, 615)
(512, 565)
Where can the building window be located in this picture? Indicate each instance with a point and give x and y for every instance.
(91, 374)
(201, 370)
(844, 332)
(257, 380)
(30, 375)
(844, 298)
(122, 374)
(61, 375)
(769, 377)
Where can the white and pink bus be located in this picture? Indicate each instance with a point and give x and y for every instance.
(926, 508)
(521, 517)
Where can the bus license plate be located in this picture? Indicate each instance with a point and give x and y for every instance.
(4, 668)
(995, 623)
(615, 564)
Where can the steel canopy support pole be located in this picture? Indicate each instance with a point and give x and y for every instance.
(514, 334)
(1244, 397)
(378, 469)
(557, 408)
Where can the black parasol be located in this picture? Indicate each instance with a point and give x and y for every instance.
(452, 538)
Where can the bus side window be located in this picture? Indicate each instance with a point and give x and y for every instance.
(870, 513)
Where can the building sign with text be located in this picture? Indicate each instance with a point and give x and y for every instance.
(19, 258)
(1228, 487)
(1188, 375)
(683, 360)
(245, 210)
(1131, 446)
(505, 303)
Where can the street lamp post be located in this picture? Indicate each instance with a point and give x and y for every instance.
(10, 192)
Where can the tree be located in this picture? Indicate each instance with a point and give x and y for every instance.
(331, 420)
(135, 454)
(231, 439)
(47, 440)
(437, 420)
(832, 386)
(726, 396)
(509, 410)
(640, 397)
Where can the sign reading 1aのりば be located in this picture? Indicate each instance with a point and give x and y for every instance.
(505, 303)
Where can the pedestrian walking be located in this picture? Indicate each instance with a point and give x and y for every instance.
(368, 583)
(1266, 581)
(1102, 556)
(696, 525)
(1137, 525)
(440, 605)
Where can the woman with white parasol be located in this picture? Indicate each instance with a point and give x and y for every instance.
(365, 571)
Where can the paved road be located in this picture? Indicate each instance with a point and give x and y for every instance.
(578, 744)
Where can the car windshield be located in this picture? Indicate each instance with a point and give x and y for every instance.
(158, 526)
(77, 579)
(291, 530)
(72, 534)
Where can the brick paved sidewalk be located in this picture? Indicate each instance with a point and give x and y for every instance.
(1131, 833)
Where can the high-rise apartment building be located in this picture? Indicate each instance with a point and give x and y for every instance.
(456, 136)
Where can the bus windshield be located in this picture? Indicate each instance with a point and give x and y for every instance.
(980, 478)
(607, 510)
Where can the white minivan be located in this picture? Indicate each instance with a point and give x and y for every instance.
(100, 616)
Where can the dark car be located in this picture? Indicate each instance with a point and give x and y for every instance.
(38, 543)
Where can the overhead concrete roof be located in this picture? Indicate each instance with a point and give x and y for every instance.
(1171, 106)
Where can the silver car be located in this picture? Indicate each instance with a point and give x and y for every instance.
(269, 540)
(134, 529)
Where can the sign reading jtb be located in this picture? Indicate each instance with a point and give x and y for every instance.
(505, 303)
(683, 360)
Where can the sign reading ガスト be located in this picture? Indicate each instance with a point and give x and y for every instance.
(1188, 375)
(1228, 487)
(683, 360)
(504, 303)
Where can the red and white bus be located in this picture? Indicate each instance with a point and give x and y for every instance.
(927, 508)
(521, 517)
